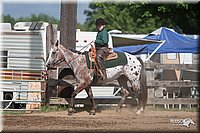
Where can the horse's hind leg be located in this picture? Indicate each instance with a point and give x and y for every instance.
(141, 107)
(138, 93)
(122, 80)
(89, 93)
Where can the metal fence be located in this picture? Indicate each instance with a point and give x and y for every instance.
(22, 85)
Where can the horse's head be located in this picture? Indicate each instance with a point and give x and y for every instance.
(55, 56)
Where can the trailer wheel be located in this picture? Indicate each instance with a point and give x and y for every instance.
(67, 75)
(65, 92)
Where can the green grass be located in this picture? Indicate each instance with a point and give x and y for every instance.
(43, 109)
(18, 113)
(48, 108)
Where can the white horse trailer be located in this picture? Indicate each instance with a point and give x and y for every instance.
(23, 54)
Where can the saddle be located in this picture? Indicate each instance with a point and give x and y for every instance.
(92, 54)
(92, 58)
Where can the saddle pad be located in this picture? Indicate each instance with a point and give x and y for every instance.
(121, 60)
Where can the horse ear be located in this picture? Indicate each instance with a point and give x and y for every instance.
(54, 44)
(57, 43)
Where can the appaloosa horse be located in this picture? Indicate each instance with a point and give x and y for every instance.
(133, 71)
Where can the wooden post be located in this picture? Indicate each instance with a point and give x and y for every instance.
(173, 96)
(68, 23)
(180, 105)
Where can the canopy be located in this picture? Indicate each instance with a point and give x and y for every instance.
(130, 40)
(173, 43)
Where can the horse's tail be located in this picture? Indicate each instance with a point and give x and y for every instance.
(143, 84)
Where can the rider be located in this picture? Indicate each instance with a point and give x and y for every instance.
(101, 45)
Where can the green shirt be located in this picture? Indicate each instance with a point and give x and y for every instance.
(102, 38)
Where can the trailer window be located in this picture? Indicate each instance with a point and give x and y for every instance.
(4, 59)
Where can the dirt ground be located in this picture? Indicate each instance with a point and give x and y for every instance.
(104, 121)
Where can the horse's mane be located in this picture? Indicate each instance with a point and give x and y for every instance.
(73, 50)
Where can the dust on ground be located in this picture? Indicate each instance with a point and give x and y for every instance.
(104, 121)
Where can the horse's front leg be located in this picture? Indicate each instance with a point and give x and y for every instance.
(77, 90)
(89, 93)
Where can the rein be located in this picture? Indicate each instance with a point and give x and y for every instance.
(59, 61)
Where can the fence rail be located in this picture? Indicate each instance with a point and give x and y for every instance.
(32, 99)
(162, 101)
(172, 66)
(169, 84)
(20, 109)
(5, 90)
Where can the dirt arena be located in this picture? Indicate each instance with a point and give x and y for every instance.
(104, 121)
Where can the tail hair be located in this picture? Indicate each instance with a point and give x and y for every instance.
(143, 82)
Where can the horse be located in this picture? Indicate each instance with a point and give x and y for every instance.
(133, 72)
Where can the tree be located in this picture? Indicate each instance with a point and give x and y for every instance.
(144, 17)
(8, 19)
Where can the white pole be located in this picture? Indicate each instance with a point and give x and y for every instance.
(148, 58)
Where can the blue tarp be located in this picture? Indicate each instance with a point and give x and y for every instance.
(175, 43)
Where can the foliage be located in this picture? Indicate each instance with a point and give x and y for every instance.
(33, 18)
(144, 17)
(131, 17)
(8, 19)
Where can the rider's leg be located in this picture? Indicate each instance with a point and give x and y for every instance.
(101, 55)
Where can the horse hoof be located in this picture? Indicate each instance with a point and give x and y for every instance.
(70, 111)
(139, 112)
(92, 113)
